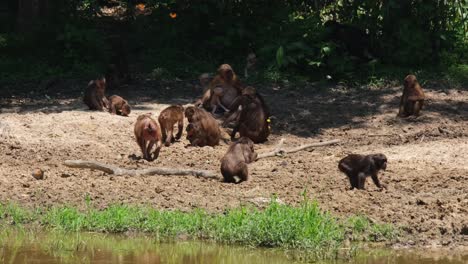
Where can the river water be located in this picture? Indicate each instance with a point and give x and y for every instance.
(29, 247)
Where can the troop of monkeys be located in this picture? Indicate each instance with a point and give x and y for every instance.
(245, 108)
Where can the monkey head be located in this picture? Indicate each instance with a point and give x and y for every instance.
(101, 83)
(410, 81)
(249, 91)
(226, 72)
(380, 161)
(204, 79)
(189, 112)
(247, 141)
(192, 130)
(126, 109)
(251, 58)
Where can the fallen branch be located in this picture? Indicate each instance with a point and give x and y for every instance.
(114, 170)
(279, 150)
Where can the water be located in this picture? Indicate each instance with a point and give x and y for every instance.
(27, 247)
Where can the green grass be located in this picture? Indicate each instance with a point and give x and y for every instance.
(305, 227)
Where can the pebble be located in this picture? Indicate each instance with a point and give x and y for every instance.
(38, 174)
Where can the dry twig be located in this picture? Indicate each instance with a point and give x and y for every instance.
(279, 150)
(114, 170)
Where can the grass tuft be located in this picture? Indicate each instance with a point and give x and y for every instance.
(305, 227)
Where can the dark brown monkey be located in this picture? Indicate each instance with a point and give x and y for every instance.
(234, 163)
(147, 134)
(117, 105)
(236, 108)
(209, 133)
(250, 65)
(228, 80)
(358, 167)
(195, 135)
(167, 119)
(94, 96)
(412, 99)
(253, 120)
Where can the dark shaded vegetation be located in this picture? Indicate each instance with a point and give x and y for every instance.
(301, 40)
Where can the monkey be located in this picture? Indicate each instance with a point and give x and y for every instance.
(358, 167)
(253, 120)
(147, 134)
(234, 163)
(209, 133)
(235, 109)
(117, 105)
(167, 119)
(204, 82)
(205, 79)
(94, 96)
(412, 99)
(228, 80)
(251, 62)
(215, 100)
(195, 135)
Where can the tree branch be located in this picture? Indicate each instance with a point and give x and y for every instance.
(111, 169)
(279, 150)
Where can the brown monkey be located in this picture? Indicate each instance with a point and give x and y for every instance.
(167, 119)
(117, 105)
(147, 134)
(195, 135)
(94, 96)
(234, 163)
(358, 167)
(253, 121)
(251, 62)
(412, 99)
(215, 101)
(227, 79)
(236, 108)
(209, 133)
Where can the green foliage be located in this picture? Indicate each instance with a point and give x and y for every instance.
(361, 228)
(314, 39)
(458, 74)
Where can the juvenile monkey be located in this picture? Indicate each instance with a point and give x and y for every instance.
(206, 127)
(167, 119)
(148, 134)
(196, 135)
(215, 100)
(94, 96)
(358, 167)
(412, 99)
(234, 163)
(250, 65)
(117, 105)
